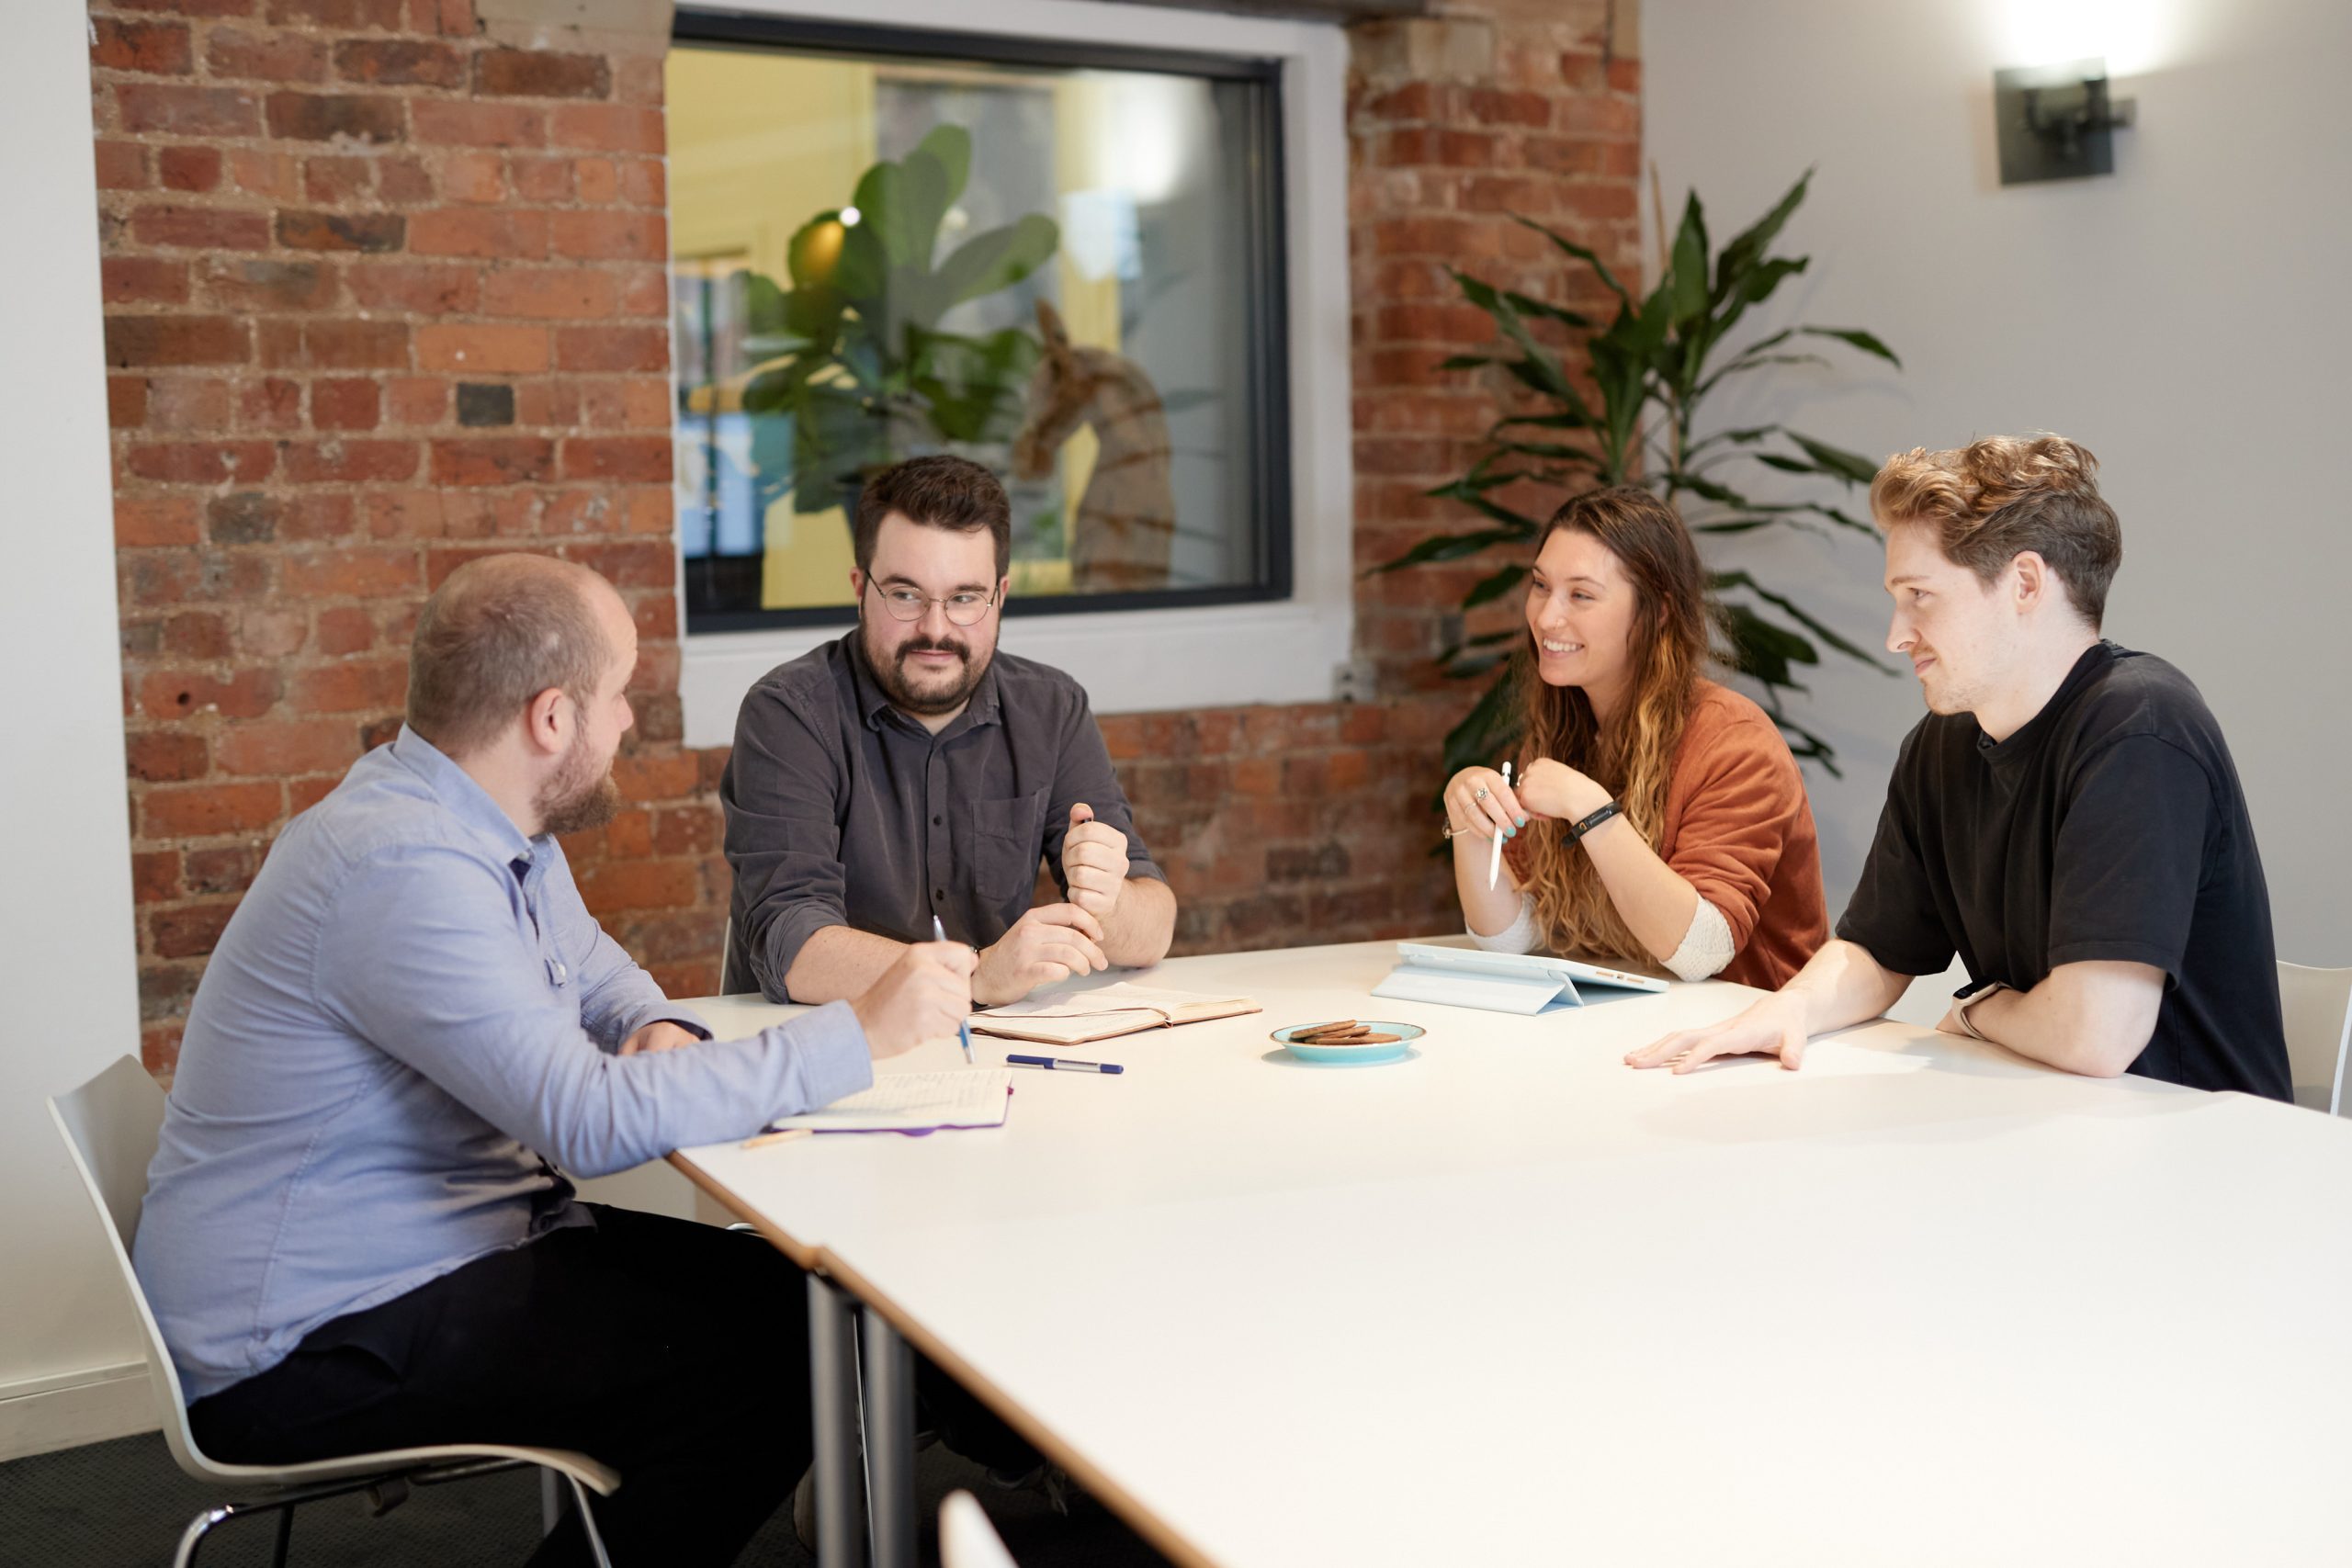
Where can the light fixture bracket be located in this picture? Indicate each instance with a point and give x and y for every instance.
(2056, 122)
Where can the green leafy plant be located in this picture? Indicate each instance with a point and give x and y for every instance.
(852, 351)
(1652, 369)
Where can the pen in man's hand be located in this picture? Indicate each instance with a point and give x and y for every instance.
(939, 933)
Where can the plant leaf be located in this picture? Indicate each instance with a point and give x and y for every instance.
(1837, 461)
(885, 210)
(1492, 588)
(863, 270)
(1747, 437)
(1488, 730)
(1540, 368)
(1867, 341)
(1553, 450)
(1722, 581)
(1528, 305)
(999, 258)
(1599, 267)
(1484, 639)
(951, 146)
(1747, 247)
(1689, 266)
(1471, 665)
(922, 205)
(1450, 546)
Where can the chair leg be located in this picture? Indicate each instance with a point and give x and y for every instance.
(588, 1523)
(193, 1537)
(551, 1502)
(285, 1536)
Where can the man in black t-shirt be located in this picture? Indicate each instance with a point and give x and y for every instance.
(2066, 818)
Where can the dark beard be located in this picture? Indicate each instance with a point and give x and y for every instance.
(576, 799)
(891, 676)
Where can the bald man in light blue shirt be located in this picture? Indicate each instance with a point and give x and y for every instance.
(356, 1234)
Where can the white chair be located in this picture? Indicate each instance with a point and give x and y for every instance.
(966, 1540)
(2318, 1006)
(110, 1126)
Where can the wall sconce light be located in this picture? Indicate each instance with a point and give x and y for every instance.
(2056, 122)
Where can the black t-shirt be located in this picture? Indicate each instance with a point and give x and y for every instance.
(2111, 826)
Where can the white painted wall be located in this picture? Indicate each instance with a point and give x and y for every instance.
(66, 946)
(2185, 319)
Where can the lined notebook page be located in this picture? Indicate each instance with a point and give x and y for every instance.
(914, 1102)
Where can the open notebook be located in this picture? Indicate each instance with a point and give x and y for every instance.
(1078, 1017)
(913, 1102)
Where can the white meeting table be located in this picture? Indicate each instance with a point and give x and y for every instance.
(1511, 1302)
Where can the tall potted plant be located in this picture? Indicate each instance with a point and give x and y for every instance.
(1653, 368)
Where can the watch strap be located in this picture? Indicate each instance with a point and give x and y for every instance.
(1581, 829)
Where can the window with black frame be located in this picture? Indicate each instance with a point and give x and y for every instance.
(1061, 261)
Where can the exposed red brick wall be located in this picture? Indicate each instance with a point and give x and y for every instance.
(382, 293)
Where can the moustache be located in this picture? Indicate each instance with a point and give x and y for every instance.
(931, 644)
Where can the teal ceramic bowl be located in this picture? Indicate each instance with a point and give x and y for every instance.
(1388, 1051)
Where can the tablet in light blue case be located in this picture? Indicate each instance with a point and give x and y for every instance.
(1524, 983)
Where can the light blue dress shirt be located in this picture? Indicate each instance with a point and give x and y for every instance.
(409, 1009)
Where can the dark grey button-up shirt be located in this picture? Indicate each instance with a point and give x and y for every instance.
(841, 810)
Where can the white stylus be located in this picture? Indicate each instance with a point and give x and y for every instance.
(1494, 856)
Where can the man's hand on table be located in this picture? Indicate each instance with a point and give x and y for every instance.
(1051, 943)
(926, 995)
(660, 1035)
(1773, 1027)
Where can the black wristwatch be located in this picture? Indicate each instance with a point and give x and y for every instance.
(1595, 820)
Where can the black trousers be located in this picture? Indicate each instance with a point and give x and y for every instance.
(677, 1353)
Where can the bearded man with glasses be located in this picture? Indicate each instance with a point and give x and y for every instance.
(909, 772)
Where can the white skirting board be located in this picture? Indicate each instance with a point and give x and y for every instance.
(39, 1416)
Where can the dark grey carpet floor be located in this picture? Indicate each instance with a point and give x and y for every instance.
(124, 1503)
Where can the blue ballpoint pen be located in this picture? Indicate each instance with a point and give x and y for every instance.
(939, 933)
(1064, 1065)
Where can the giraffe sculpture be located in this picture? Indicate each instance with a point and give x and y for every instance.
(1126, 519)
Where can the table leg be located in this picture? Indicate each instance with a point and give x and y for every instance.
(834, 1394)
(889, 1368)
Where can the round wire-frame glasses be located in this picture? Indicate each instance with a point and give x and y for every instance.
(963, 609)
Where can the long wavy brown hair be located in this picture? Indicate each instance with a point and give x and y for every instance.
(1633, 760)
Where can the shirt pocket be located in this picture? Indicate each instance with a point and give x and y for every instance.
(1007, 844)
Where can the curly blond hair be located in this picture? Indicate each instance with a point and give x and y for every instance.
(1991, 501)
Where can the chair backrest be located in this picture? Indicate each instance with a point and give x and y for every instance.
(111, 1125)
(2318, 1008)
(966, 1540)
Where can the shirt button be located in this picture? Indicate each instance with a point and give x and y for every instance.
(562, 974)
(939, 893)
(937, 820)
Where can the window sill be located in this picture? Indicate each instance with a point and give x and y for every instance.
(1129, 661)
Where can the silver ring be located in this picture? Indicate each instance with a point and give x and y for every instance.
(1478, 794)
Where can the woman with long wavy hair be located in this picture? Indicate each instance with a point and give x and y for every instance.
(1654, 817)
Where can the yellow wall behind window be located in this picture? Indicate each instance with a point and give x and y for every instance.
(759, 144)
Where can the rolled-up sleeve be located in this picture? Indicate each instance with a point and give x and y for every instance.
(421, 954)
(1085, 774)
(781, 792)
